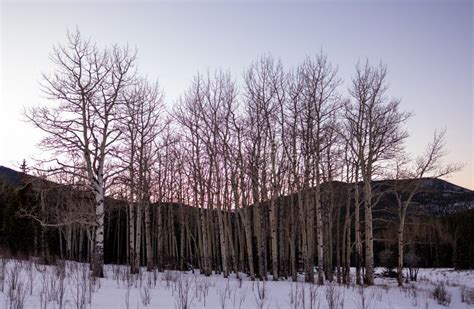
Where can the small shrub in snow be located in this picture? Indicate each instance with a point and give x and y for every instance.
(127, 297)
(303, 295)
(184, 296)
(155, 276)
(412, 261)
(378, 293)
(170, 277)
(52, 295)
(223, 294)
(16, 297)
(201, 288)
(146, 296)
(467, 295)
(387, 260)
(260, 294)
(43, 292)
(441, 295)
(128, 281)
(140, 278)
(116, 273)
(150, 283)
(411, 292)
(54, 286)
(334, 296)
(292, 297)
(297, 295)
(80, 286)
(61, 290)
(29, 270)
(13, 277)
(313, 296)
(3, 266)
(242, 297)
(15, 288)
(365, 299)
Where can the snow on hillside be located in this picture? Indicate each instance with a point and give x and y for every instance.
(26, 284)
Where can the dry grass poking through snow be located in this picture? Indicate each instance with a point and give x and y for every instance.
(26, 284)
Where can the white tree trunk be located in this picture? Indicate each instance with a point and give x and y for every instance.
(400, 250)
(369, 241)
(149, 247)
(319, 232)
(98, 262)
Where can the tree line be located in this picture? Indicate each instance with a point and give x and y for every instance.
(249, 173)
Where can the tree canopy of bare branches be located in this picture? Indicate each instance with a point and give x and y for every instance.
(269, 176)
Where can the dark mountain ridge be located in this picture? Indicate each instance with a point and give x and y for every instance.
(436, 196)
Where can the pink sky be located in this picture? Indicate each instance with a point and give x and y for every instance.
(427, 46)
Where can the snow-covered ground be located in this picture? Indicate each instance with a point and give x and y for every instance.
(38, 286)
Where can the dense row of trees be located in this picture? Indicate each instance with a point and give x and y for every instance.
(259, 163)
(431, 241)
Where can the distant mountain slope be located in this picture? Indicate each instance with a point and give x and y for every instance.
(438, 197)
(441, 197)
(11, 176)
(443, 185)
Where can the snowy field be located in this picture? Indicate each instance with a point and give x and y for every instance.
(25, 284)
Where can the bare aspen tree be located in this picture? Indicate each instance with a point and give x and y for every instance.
(352, 176)
(320, 100)
(170, 163)
(376, 125)
(240, 186)
(142, 120)
(330, 166)
(219, 101)
(87, 85)
(64, 205)
(293, 154)
(346, 240)
(187, 115)
(263, 93)
(207, 115)
(409, 179)
(129, 152)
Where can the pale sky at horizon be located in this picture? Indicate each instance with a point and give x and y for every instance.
(426, 45)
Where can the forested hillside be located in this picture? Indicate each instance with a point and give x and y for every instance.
(438, 238)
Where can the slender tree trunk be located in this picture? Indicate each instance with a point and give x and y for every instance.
(245, 214)
(292, 240)
(98, 261)
(273, 207)
(338, 240)
(283, 261)
(131, 236)
(223, 242)
(319, 231)
(148, 235)
(400, 250)
(302, 200)
(258, 235)
(138, 240)
(205, 250)
(182, 243)
(273, 236)
(369, 244)
(358, 243)
(347, 243)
